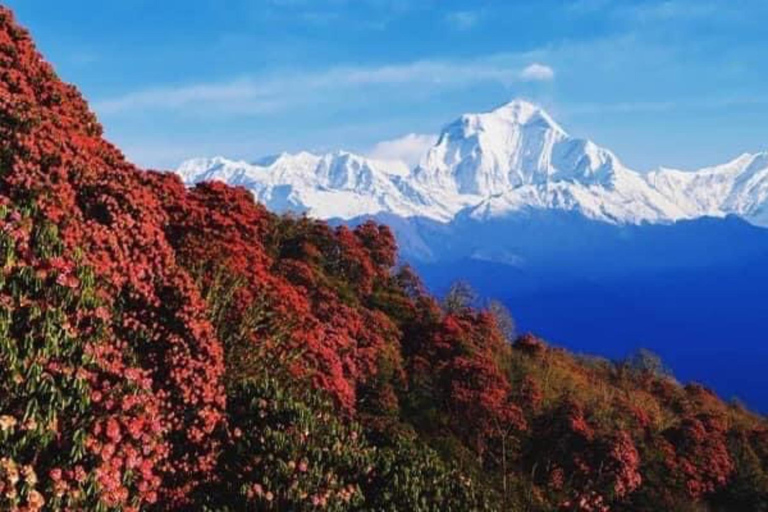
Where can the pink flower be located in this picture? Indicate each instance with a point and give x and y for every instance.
(113, 429)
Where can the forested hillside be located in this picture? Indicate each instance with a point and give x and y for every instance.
(164, 348)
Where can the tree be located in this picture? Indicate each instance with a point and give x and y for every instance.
(645, 361)
(504, 320)
(460, 298)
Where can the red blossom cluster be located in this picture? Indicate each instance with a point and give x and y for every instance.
(453, 360)
(54, 161)
(122, 430)
(601, 467)
(315, 281)
(697, 451)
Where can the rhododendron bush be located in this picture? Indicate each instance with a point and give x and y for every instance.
(165, 348)
(80, 426)
(55, 165)
(290, 452)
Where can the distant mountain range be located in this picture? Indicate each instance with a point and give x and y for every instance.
(496, 165)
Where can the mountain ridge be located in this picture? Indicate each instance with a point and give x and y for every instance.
(495, 164)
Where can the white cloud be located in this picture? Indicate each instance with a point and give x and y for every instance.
(537, 73)
(672, 10)
(259, 94)
(409, 148)
(242, 91)
(696, 103)
(462, 20)
(587, 6)
(652, 13)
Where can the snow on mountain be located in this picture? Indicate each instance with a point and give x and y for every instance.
(518, 157)
(515, 145)
(492, 165)
(739, 187)
(335, 185)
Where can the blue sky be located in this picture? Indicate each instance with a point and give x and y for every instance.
(681, 83)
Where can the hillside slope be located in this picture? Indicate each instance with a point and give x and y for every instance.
(171, 349)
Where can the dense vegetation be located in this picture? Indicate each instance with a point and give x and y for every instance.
(173, 349)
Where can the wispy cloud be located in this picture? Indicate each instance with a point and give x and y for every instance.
(367, 14)
(665, 11)
(251, 95)
(83, 58)
(257, 97)
(587, 6)
(697, 103)
(627, 107)
(537, 73)
(670, 10)
(462, 20)
(409, 148)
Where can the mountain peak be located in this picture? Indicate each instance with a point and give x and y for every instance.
(523, 112)
(517, 144)
(517, 119)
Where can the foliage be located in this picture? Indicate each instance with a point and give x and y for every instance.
(644, 361)
(79, 425)
(55, 165)
(504, 321)
(460, 298)
(291, 453)
(288, 455)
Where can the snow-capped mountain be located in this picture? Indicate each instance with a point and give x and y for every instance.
(492, 165)
(739, 187)
(335, 185)
(517, 157)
